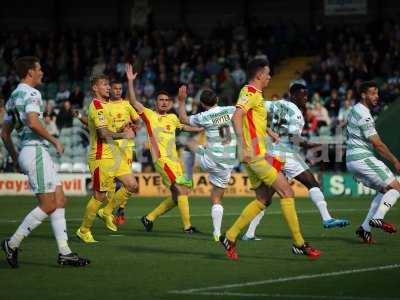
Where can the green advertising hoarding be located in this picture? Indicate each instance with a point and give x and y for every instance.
(343, 184)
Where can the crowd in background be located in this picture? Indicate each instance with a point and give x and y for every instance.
(165, 59)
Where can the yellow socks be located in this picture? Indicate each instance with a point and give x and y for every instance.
(183, 205)
(247, 215)
(118, 199)
(290, 214)
(164, 206)
(90, 214)
(122, 196)
(111, 204)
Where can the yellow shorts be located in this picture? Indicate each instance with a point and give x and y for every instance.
(169, 170)
(103, 174)
(260, 171)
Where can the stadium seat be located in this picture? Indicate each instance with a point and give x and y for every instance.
(79, 167)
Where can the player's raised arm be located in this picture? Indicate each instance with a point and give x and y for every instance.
(384, 151)
(131, 91)
(182, 95)
(8, 143)
(33, 122)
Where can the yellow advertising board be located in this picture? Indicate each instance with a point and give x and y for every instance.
(150, 184)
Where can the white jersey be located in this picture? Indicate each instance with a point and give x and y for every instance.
(360, 127)
(220, 134)
(23, 100)
(284, 118)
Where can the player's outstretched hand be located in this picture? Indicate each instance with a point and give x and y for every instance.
(59, 147)
(182, 93)
(129, 72)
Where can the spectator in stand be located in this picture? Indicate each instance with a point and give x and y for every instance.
(2, 112)
(321, 114)
(62, 94)
(76, 97)
(239, 75)
(50, 125)
(332, 104)
(65, 116)
(344, 112)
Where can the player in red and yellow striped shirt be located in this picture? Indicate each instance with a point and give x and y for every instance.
(250, 122)
(105, 163)
(161, 127)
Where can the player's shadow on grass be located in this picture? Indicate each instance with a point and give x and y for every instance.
(208, 255)
(167, 234)
(347, 239)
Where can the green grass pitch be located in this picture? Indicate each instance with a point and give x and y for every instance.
(167, 264)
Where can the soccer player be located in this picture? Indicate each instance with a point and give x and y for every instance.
(218, 157)
(25, 114)
(105, 160)
(286, 119)
(123, 115)
(250, 123)
(362, 139)
(161, 126)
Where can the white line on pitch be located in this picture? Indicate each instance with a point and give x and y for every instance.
(285, 279)
(307, 211)
(288, 296)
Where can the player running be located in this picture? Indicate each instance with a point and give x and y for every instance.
(25, 114)
(362, 139)
(106, 163)
(218, 157)
(250, 123)
(286, 119)
(123, 115)
(161, 126)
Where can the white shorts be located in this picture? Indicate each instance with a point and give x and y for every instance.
(294, 167)
(371, 172)
(217, 175)
(36, 163)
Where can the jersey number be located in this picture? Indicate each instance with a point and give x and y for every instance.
(225, 134)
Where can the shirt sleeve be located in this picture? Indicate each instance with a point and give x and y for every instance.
(195, 120)
(178, 124)
(247, 100)
(33, 103)
(133, 114)
(98, 116)
(367, 126)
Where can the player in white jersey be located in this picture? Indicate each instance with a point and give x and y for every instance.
(362, 139)
(286, 119)
(25, 114)
(218, 157)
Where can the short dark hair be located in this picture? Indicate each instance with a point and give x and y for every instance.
(296, 87)
(366, 85)
(208, 98)
(115, 81)
(255, 65)
(162, 92)
(24, 64)
(95, 79)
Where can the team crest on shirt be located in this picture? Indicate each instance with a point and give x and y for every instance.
(168, 127)
(244, 99)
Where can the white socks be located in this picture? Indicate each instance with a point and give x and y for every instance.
(251, 231)
(59, 225)
(188, 162)
(372, 210)
(31, 221)
(319, 200)
(217, 212)
(389, 199)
